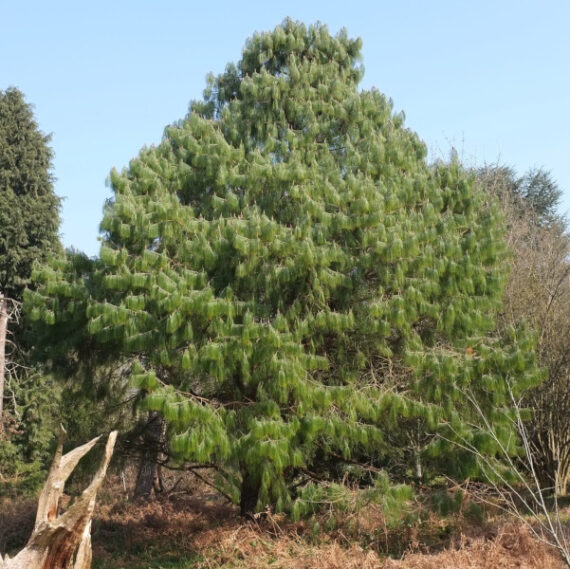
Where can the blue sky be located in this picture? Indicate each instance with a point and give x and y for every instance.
(491, 78)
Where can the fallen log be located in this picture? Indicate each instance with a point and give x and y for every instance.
(63, 541)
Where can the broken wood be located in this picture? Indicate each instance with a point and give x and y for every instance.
(63, 541)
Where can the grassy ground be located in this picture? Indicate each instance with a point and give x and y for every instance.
(199, 531)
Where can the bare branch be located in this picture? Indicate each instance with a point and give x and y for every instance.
(531, 508)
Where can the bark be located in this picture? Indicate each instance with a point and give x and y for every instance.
(553, 462)
(249, 495)
(159, 480)
(3, 332)
(63, 541)
(149, 471)
(146, 476)
(420, 428)
(561, 484)
(418, 465)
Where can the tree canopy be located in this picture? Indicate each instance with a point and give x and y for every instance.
(537, 293)
(29, 215)
(294, 282)
(535, 194)
(29, 224)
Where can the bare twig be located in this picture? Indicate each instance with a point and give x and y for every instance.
(529, 508)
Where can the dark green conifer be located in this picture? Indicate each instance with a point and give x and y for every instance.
(295, 280)
(29, 211)
(29, 224)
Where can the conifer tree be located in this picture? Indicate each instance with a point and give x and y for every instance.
(536, 193)
(294, 280)
(29, 216)
(29, 210)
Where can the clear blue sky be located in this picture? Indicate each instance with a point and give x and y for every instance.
(490, 77)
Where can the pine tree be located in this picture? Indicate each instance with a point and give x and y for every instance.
(293, 278)
(29, 210)
(91, 379)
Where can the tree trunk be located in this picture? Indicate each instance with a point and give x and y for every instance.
(561, 485)
(148, 476)
(418, 465)
(418, 469)
(63, 542)
(552, 463)
(159, 480)
(562, 476)
(249, 495)
(3, 332)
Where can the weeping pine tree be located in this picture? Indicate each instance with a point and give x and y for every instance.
(296, 283)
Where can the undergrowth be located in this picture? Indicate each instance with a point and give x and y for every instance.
(340, 528)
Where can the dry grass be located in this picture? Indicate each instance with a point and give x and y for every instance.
(512, 546)
(248, 547)
(184, 531)
(16, 523)
(210, 535)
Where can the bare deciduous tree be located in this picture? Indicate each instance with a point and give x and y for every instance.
(519, 490)
(538, 293)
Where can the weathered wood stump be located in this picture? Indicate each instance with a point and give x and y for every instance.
(63, 541)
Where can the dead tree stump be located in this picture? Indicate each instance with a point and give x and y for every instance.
(63, 541)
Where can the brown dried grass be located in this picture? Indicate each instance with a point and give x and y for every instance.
(199, 531)
(216, 537)
(512, 546)
(16, 523)
(248, 547)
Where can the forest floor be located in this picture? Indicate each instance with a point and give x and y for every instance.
(199, 531)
